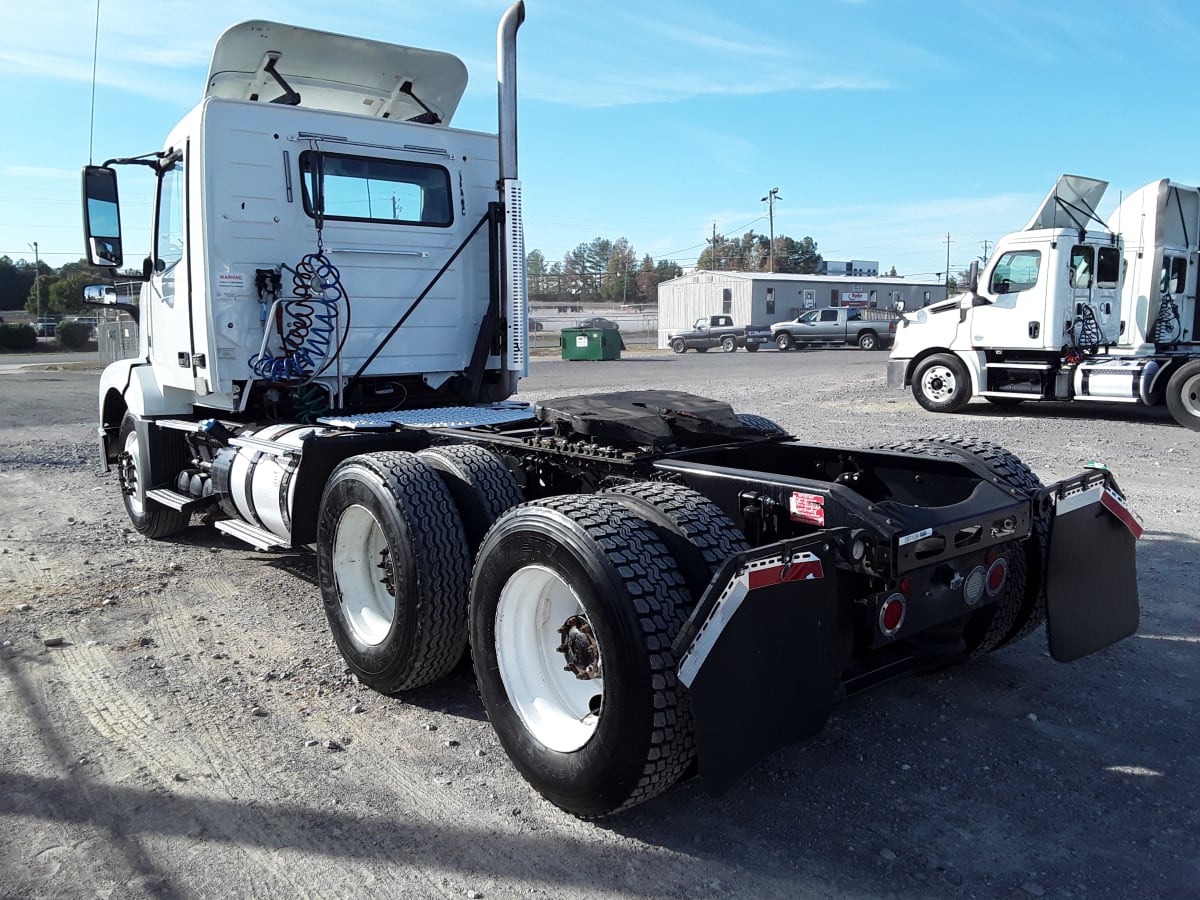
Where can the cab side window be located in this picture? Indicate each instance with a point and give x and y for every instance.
(168, 245)
(1081, 267)
(1016, 270)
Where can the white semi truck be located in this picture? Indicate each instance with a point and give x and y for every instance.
(1069, 308)
(333, 325)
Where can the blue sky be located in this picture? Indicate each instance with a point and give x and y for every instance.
(885, 124)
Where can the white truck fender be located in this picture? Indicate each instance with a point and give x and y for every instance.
(134, 381)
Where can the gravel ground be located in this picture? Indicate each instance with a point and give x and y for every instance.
(176, 721)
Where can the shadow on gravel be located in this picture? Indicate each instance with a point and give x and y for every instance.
(1014, 772)
(1079, 411)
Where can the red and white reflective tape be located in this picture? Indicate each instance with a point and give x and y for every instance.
(760, 573)
(1115, 505)
(1106, 497)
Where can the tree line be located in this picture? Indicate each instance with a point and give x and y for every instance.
(598, 270)
(603, 270)
(61, 289)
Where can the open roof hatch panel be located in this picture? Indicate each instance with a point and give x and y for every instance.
(334, 72)
(1072, 200)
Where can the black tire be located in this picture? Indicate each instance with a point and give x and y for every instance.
(941, 383)
(989, 628)
(1005, 402)
(393, 507)
(728, 344)
(1013, 472)
(761, 423)
(679, 345)
(868, 340)
(482, 486)
(629, 601)
(149, 518)
(784, 341)
(698, 533)
(752, 348)
(1183, 395)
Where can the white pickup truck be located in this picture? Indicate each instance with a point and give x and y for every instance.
(869, 328)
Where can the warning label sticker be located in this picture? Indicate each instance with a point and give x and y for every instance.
(809, 508)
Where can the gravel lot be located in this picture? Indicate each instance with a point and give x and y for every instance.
(194, 734)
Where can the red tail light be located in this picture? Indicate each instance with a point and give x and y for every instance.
(891, 614)
(997, 575)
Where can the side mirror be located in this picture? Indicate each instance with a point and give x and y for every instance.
(102, 217)
(973, 276)
(105, 295)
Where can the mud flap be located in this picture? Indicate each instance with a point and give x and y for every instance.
(759, 656)
(1091, 583)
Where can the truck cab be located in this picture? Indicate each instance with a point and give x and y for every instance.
(301, 211)
(1066, 311)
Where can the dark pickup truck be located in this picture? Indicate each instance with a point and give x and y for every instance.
(869, 328)
(718, 331)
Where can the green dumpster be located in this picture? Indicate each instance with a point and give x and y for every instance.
(591, 343)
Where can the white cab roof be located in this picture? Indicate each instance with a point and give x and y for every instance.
(334, 72)
(1070, 204)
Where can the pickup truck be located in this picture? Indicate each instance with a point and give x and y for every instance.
(868, 327)
(718, 331)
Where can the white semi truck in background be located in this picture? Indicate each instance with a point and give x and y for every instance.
(333, 323)
(1069, 308)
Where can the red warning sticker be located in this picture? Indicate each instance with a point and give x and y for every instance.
(808, 508)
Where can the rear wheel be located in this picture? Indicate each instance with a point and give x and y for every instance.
(868, 340)
(728, 344)
(941, 383)
(679, 345)
(784, 341)
(574, 605)
(394, 569)
(148, 518)
(700, 536)
(1183, 395)
(482, 486)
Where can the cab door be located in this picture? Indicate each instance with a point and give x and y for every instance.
(1093, 284)
(1016, 316)
(169, 312)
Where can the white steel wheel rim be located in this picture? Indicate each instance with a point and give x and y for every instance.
(557, 708)
(359, 546)
(132, 479)
(1189, 396)
(939, 383)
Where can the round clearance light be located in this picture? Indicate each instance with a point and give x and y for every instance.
(997, 575)
(891, 614)
(974, 584)
(858, 549)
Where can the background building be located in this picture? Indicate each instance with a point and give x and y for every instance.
(761, 298)
(857, 268)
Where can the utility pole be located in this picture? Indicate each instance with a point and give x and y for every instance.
(947, 264)
(772, 196)
(37, 278)
(715, 264)
(987, 246)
